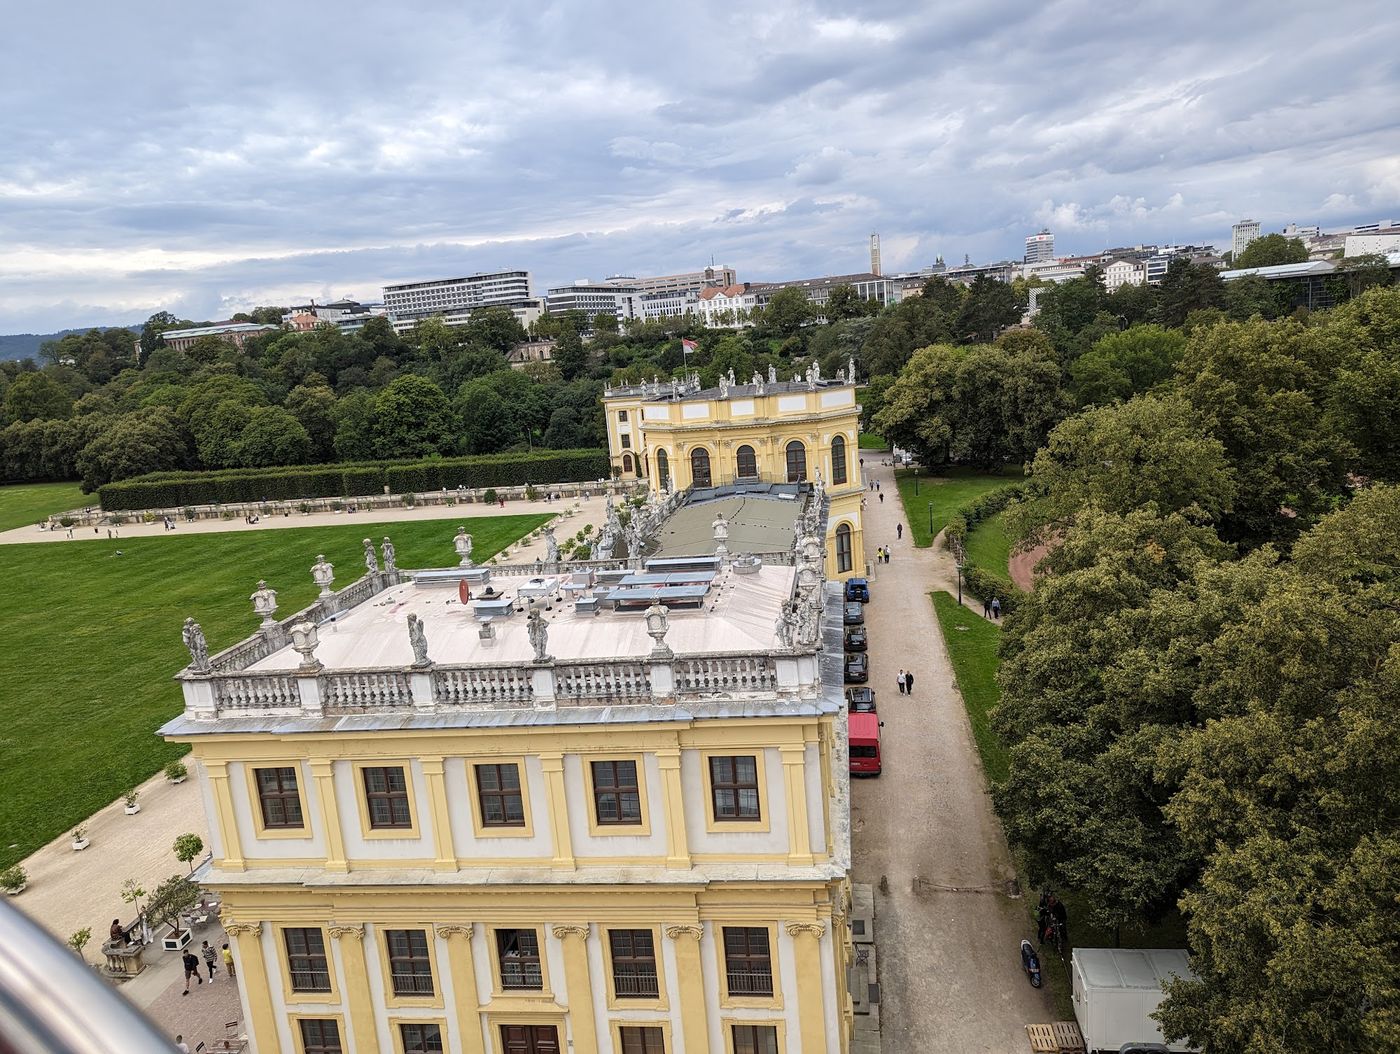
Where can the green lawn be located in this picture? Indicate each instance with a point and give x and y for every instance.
(92, 640)
(870, 441)
(947, 489)
(988, 547)
(972, 647)
(26, 504)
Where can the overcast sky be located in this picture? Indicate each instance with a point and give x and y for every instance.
(203, 158)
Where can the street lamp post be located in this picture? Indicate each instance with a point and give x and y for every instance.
(930, 522)
(960, 571)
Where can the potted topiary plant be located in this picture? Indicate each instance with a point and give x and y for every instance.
(78, 941)
(173, 896)
(187, 847)
(80, 838)
(176, 772)
(132, 805)
(13, 880)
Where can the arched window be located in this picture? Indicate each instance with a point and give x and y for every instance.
(838, 460)
(627, 463)
(796, 462)
(844, 557)
(663, 470)
(700, 467)
(747, 464)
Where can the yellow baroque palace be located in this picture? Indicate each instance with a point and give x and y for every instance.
(598, 811)
(679, 436)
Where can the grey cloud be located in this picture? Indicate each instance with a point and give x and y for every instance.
(215, 161)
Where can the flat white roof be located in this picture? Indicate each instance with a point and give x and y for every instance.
(739, 614)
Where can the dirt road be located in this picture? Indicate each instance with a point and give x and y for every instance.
(924, 833)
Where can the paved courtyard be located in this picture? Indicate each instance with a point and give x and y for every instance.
(924, 833)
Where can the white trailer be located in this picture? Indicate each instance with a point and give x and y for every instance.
(1116, 990)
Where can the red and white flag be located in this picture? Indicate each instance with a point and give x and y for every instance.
(687, 346)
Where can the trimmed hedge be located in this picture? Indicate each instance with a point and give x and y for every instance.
(978, 582)
(171, 489)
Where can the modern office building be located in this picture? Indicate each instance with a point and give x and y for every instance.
(687, 281)
(750, 432)
(1381, 240)
(1241, 234)
(675, 303)
(597, 298)
(875, 266)
(1039, 248)
(410, 301)
(867, 284)
(592, 807)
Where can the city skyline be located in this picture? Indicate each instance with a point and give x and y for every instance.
(230, 169)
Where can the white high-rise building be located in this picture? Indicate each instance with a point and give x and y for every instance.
(875, 254)
(1241, 234)
(1040, 247)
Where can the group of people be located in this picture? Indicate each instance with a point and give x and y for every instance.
(906, 682)
(209, 955)
(991, 609)
(882, 554)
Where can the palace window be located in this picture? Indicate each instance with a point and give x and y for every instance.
(642, 1039)
(633, 964)
(498, 792)
(320, 1036)
(755, 1039)
(421, 1039)
(518, 953)
(796, 462)
(306, 960)
(843, 548)
(700, 467)
(278, 797)
(734, 787)
(838, 460)
(746, 462)
(748, 963)
(386, 796)
(410, 962)
(616, 797)
(663, 469)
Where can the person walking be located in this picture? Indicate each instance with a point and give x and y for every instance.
(899, 531)
(882, 496)
(901, 682)
(986, 608)
(877, 484)
(209, 955)
(887, 554)
(180, 1044)
(996, 607)
(191, 970)
(228, 962)
(909, 683)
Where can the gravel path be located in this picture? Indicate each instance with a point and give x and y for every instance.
(924, 833)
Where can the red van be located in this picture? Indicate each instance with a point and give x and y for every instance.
(865, 744)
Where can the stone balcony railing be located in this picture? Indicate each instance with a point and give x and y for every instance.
(544, 685)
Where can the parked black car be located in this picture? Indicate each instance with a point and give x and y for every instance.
(853, 614)
(857, 668)
(855, 639)
(858, 589)
(861, 700)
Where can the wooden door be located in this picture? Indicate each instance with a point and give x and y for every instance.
(530, 1039)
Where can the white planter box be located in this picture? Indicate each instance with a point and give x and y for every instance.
(80, 844)
(132, 810)
(173, 942)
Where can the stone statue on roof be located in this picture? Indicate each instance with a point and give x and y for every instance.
(851, 369)
(371, 560)
(538, 631)
(784, 627)
(551, 546)
(193, 637)
(721, 528)
(418, 640)
(731, 376)
(772, 375)
(390, 556)
(723, 386)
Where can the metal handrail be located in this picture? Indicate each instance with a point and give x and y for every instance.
(52, 1003)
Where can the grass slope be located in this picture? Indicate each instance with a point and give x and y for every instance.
(92, 640)
(870, 441)
(948, 489)
(25, 504)
(988, 547)
(972, 648)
